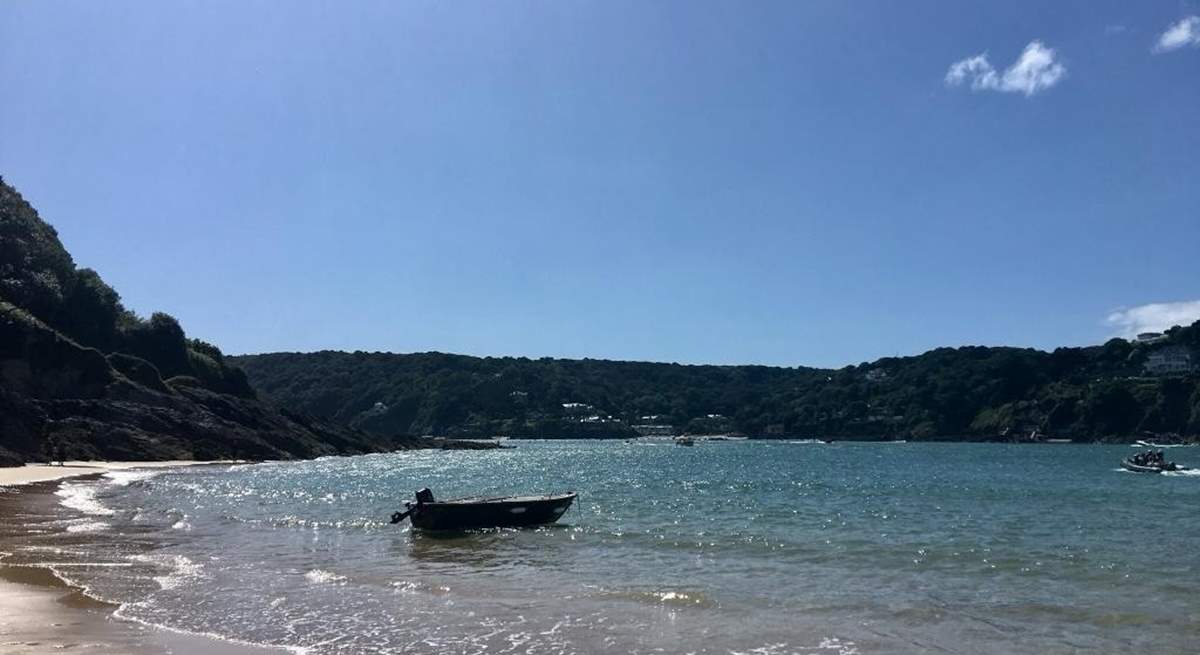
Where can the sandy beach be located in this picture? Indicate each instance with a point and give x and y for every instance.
(39, 613)
(22, 475)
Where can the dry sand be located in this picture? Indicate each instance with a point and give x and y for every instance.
(30, 473)
(40, 614)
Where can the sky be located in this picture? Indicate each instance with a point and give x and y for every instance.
(785, 183)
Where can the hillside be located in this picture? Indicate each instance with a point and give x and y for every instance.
(78, 369)
(80, 372)
(969, 393)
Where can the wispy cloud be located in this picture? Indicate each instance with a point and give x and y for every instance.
(1155, 317)
(1037, 69)
(1109, 30)
(1184, 33)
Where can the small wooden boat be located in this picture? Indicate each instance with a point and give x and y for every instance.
(1128, 465)
(472, 513)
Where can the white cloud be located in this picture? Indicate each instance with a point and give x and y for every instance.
(977, 69)
(1037, 69)
(1184, 33)
(1154, 317)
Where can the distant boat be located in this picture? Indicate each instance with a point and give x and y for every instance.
(1167, 467)
(685, 441)
(473, 513)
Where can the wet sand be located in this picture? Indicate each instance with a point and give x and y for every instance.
(41, 614)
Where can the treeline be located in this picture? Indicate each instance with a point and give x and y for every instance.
(969, 393)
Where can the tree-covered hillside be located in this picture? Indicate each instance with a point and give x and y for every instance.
(38, 275)
(1086, 394)
(82, 375)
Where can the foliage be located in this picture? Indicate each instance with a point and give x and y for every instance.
(160, 340)
(38, 276)
(206, 348)
(36, 273)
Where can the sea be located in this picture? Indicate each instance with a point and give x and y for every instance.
(732, 547)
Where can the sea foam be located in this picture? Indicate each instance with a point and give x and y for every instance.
(125, 478)
(319, 576)
(82, 497)
(180, 569)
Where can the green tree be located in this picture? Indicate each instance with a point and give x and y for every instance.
(161, 342)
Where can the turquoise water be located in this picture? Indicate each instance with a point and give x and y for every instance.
(728, 547)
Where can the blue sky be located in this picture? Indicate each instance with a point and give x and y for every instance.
(794, 183)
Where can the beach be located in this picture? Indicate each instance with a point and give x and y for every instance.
(17, 476)
(41, 613)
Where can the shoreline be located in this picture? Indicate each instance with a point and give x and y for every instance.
(19, 476)
(40, 613)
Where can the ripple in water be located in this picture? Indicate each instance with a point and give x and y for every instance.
(733, 547)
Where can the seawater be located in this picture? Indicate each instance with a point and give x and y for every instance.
(727, 547)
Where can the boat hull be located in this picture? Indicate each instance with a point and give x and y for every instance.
(514, 512)
(1138, 468)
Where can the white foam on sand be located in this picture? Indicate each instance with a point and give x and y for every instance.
(123, 614)
(125, 478)
(181, 569)
(82, 497)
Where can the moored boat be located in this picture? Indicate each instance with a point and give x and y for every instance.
(472, 513)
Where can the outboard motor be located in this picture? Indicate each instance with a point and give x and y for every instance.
(423, 496)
